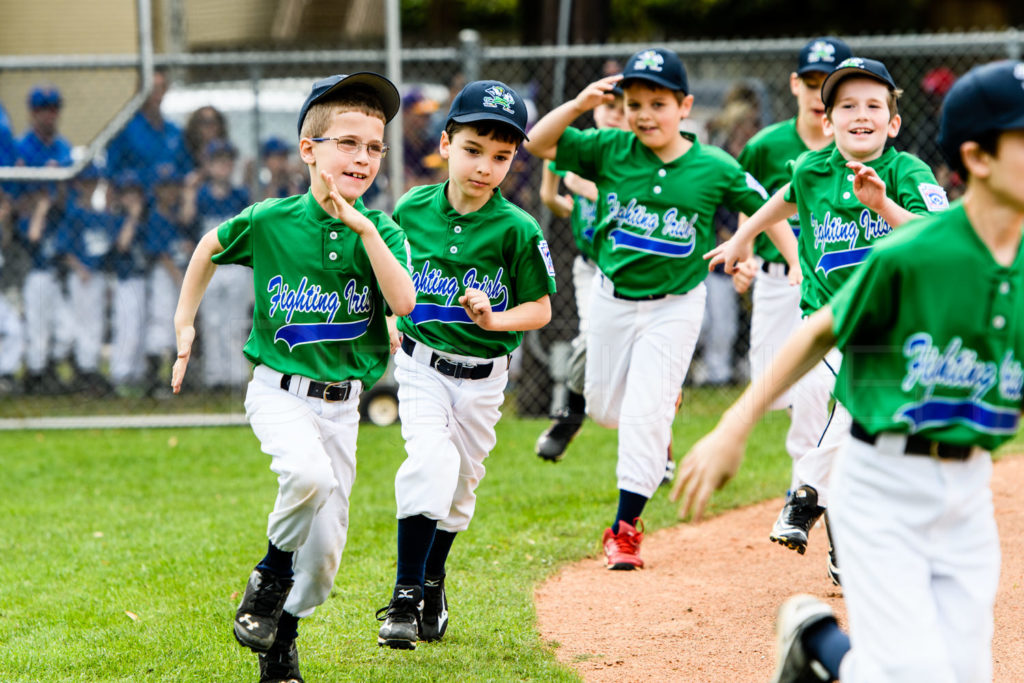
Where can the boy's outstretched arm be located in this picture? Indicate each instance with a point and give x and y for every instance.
(394, 280)
(545, 133)
(560, 204)
(713, 460)
(529, 315)
(193, 285)
(739, 247)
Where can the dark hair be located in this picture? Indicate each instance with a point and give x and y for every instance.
(988, 141)
(488, 128)
(652, 86)
(194, 142)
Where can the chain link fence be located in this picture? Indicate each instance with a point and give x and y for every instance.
(91, 263)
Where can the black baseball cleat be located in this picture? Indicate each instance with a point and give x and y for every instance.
(401, 619)
(552, 443)
(434, 616)
(256, 620)
(798, 515)
(280, 664)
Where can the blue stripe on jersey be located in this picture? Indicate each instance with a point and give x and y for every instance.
(426, 313)
(834, 260)
(650, 245)
(938, 412)
(309, 333)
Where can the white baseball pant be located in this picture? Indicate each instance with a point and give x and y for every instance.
(88, 298)
(312, 446)
(583, 272)
(12, 337)
(225, 320)
(719, 329)
(917, 540)
(638, 353)
(47, 320)
(448, 427)
(162, 294)
(128, 315)
(819, 426)
(775, 315)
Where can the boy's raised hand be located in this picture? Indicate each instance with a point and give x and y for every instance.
(597, 93)
(729, 254)
(709, 464)
(477, 305)
(341, 209)
(869, 188)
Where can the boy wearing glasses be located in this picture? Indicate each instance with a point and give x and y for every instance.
(326, 272)
(483, 275)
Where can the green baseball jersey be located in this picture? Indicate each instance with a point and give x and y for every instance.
(498, 249)
(838, 231)
(656, 221)
(766, 156)
(582, 220)
(319, 311)
(931, 332)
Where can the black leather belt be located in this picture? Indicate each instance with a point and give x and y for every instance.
(328, 391)
(451, 368)
(766, 266)
(649, 297)
(918, 445)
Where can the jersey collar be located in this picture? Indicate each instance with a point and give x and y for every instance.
(837, 159)
(320, 215)
(444, 207)
(654, 158)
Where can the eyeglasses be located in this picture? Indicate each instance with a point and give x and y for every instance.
(374, 150)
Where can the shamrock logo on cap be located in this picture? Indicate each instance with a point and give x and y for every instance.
(648, 60)
(497, 96)
(821, 51)
(1018, 73)
(855, 62)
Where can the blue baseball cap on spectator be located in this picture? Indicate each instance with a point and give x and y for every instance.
(216, 148)
(660, 66)
(823, 55)
(382, 87)
(855, 66)
(89, 172)
(275, 145)
(166, 173)
(987, 99)
(44, 96)
(489, 101)
(129, 177)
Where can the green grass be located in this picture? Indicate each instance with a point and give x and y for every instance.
(125, 549)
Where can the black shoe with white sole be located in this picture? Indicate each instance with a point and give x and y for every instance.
(401, 629)
(434, 617)
(262, 603)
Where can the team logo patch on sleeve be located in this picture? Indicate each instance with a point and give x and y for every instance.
(545, 254)
(934, 196)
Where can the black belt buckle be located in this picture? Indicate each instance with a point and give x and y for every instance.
(331, 392)
(766, 266)
(452, 368)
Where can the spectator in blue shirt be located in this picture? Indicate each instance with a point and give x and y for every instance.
(127, 200)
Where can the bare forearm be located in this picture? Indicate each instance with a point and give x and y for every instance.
(394, 280)
(197, 277)
(545, 134)
(775, 210)
(894, 214)
(531, 315)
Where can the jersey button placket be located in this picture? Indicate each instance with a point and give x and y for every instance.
(1003, 305)
(332, 250)
(456, 236)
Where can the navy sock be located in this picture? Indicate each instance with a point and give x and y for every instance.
(577, 404)
(827, 643)
(415, 535)
(287, 627)
(438, 555)
(277, 561)
(631, 506)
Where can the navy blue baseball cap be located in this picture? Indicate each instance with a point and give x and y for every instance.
(220, 147)
(275, 145)
(44, 96)
(129, 177)
(855, 66)
(988, 98)
(822, 54)
(382, 87)
(89, 172)
(489, 101)
(166, 173)
(660, 66)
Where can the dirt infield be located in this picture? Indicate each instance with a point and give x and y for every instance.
(704, 608)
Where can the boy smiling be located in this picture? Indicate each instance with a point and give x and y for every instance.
(848, 196)
(659, 189)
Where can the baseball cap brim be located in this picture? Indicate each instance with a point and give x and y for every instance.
(653, 78)
(390, 99)
(839, 75)
(487, 116)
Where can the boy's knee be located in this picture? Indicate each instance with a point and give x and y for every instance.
(311, 484)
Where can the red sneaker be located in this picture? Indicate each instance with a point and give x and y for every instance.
(622, 550)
